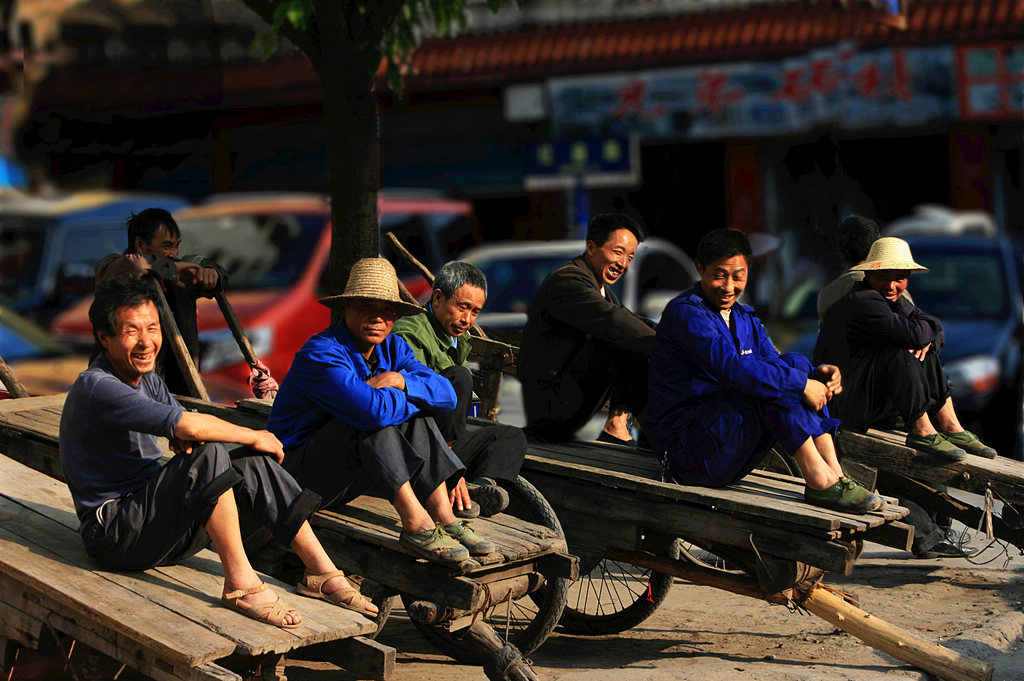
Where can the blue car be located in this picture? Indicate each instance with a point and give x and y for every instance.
(49, 248)
(974, 286)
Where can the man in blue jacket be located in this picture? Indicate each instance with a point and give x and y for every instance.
(354, 412)
(721, 394)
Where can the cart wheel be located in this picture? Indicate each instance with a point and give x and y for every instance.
(525, 622)
(384, 608)
(615, 596)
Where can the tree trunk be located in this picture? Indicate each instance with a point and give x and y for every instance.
(350, 118)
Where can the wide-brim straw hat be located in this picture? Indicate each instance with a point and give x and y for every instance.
(890, 253)
(373, 279)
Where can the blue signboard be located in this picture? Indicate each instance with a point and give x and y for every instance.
(840, 85)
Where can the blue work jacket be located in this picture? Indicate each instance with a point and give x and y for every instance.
(697, 358)
(328, 379)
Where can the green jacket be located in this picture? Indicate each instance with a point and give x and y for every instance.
(430, 343)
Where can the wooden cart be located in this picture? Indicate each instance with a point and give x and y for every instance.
(471, 611)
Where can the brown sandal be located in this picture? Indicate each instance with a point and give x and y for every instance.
(347, 597)
(270, 613)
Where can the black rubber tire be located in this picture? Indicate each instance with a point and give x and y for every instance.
(530, 619)
(614, 597)
(384, 608)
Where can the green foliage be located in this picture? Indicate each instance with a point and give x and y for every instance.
(401, 32)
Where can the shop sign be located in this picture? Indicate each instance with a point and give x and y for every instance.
(840, 85)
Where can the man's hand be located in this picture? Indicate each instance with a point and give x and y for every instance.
(179, 446)
(139, 262)
(920, 354)
(459, 496)
(815, 394)
(268, 443)
(830, 375)
(204, 277)
(387, 379)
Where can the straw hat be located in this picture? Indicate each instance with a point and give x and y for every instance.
(890, 253)
(373, 279)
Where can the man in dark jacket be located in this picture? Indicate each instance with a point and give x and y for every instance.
(888, 352)
(154, 241)
(580, 346)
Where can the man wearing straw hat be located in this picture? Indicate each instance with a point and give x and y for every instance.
(354, 412)
(888, 352)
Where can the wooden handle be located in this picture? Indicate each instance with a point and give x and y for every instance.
(178, 347)
(236, 329)
(931, 657)
(11, 382)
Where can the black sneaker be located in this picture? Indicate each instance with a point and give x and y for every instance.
(468, 513)
(490, 497)
(946, 549)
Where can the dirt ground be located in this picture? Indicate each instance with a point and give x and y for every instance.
(708, 634)
(704, 633)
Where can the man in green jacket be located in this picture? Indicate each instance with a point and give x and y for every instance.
(439, 340)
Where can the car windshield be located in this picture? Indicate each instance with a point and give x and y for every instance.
(21, 252)
(959, 284)
(262, 251)
(513, 280)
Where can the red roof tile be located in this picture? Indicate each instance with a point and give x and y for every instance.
(758, 31)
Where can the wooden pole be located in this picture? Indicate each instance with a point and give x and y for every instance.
(239, 334)
(178, 347)
(823, 602)
(931, 657)
(11, 382)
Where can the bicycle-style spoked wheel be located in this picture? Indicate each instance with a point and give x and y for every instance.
(615, 596)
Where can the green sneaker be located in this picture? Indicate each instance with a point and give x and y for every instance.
(970, 443)
(936, 445)
(436, 544)
(460, 532)
(847, 496)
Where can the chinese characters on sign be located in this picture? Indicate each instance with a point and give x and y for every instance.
(842, 85)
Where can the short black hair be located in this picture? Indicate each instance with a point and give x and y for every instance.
(856, 234)
(147, 222)
(722, 243)
(454, 275)
(603, 224)
(113, 293)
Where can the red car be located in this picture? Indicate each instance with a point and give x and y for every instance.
(276, 248)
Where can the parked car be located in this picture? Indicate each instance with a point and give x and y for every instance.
(276, 248)
(41, 363)
(49, 247)
(514, 270)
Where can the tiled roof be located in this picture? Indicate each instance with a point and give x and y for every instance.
(757, 31)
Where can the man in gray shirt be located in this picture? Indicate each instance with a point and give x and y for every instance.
(136, 513)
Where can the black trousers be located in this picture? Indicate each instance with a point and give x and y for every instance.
(340, 462)
(595, 374)
(493, 452)
(883, 384)
(163, 523)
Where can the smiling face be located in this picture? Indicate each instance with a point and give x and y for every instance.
(162, 241)
(611, 260)
(723, 281)
(133, 347)
(890, 284)
(369, 322)
(458, 313)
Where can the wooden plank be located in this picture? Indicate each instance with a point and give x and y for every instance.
(682, 520)
(191, 589)
(237, 416)
(886, 451)
(37, 553)
(27, 403)
(19, 626)
(363, 657)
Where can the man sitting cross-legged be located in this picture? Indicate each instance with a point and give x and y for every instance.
(136, 514)
(439, 340)
(354, 412)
